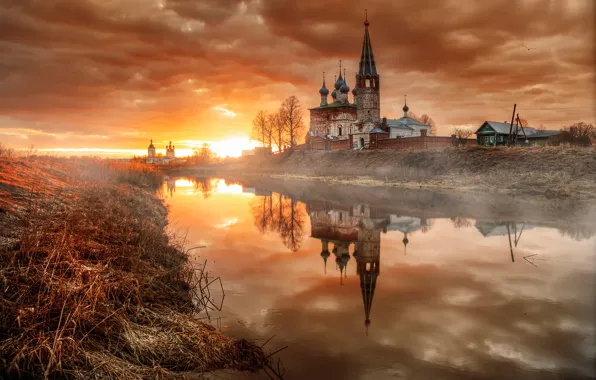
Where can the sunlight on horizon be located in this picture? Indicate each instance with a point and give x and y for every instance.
(230, 147)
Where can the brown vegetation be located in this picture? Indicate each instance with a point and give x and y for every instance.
(578, 134)
(550, 171)
(92, 287)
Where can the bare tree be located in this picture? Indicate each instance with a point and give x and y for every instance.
(271, 129)
(462, 134)
(259, 127)
(203, 155)
(426, 120)
(278, 130)
(291, 112)
(578, 134)
(582, 131)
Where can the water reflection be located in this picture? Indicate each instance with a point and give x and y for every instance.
(454, 301)
(276, 213)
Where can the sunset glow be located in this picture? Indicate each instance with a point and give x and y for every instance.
(194, 72)
(231, 147)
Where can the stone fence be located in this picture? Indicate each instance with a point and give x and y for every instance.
(379, 141)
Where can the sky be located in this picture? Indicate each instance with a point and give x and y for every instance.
(108, 75)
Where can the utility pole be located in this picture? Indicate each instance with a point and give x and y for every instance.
(522, 128)
(509, 138)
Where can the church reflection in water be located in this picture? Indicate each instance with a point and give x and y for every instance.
(357, 228)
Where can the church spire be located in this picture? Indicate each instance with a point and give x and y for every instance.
(367, 60)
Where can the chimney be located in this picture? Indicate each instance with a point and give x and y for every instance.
(384, 125)
(423, 132)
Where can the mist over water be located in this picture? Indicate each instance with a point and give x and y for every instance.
(371, 284)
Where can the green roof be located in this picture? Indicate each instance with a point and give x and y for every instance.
(334, 105)
(541, 134)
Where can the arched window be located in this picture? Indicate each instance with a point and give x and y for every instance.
(339, 131)
(367, 83)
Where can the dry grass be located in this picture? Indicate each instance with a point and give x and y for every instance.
(91, 285)
(550, 171)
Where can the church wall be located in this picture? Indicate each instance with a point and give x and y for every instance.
(398, 132)
(329, 121)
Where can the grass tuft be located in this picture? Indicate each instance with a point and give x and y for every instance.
(91, 284)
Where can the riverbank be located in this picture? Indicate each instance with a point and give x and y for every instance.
(91, 284)
(552, 172)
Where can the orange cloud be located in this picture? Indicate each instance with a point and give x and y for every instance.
(173, 69)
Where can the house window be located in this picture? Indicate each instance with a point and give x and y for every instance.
(491, 139)
(339, 131)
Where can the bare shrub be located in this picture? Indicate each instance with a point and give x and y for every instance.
(6, 152)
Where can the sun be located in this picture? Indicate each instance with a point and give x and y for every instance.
(232, 147)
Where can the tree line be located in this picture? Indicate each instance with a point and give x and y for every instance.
(283, 128)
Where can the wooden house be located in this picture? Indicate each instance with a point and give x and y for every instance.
(493, 133)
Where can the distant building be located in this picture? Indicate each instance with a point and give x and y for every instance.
(170, 151)
(494, 133)
(249, 152)
(152, 157)
(406, 126)
(151, 152)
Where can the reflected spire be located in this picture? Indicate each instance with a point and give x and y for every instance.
(405, 241)
(325, 252)
(368, 283)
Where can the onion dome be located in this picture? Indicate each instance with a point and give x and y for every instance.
(151, 144)
(354, 91)
(324, 91)
(334, 94)
(344, 88)
(406, 108)
(339, 82)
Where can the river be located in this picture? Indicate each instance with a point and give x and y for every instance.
(365, 283)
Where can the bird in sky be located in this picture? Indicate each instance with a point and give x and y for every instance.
(529, 48)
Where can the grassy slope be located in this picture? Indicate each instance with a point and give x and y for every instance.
(90, 283)
(551, 171)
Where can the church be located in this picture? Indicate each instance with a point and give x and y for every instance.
(342, 120)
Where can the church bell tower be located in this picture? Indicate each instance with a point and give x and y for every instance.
(367, 82)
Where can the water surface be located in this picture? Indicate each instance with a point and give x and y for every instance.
(358, 289)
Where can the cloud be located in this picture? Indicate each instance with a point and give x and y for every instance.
(224, 111)
(161, 66)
